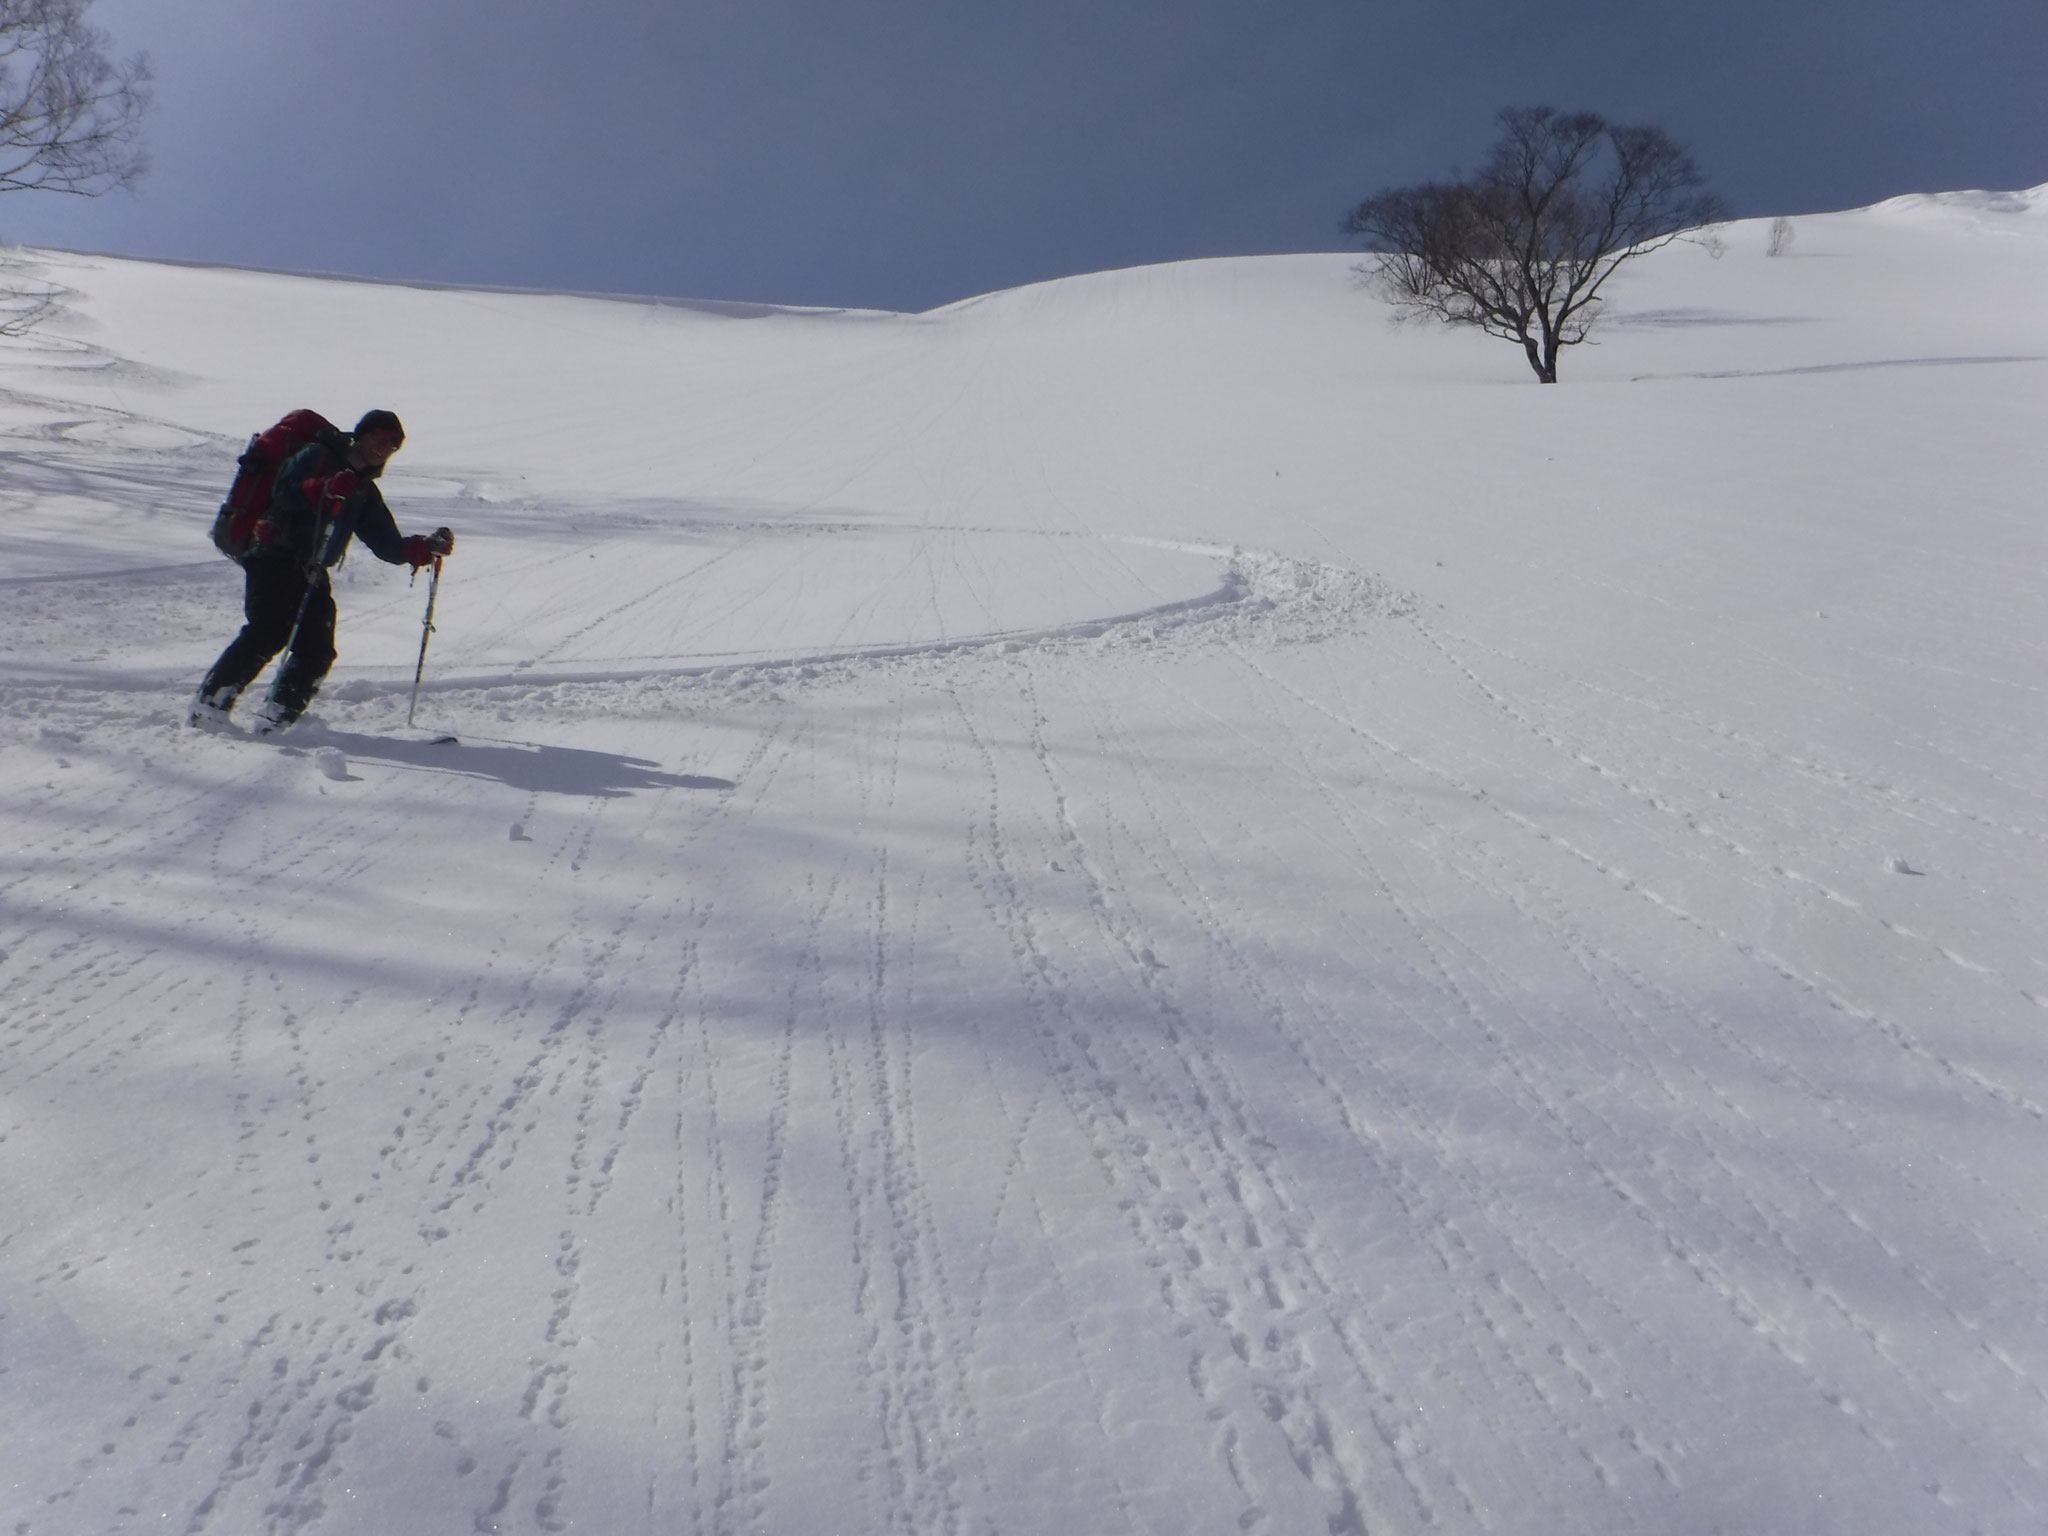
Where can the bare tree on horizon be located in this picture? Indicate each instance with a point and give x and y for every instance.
(70, 121)
(69, 114)
(1522, 248)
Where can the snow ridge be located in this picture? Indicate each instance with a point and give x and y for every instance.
(1264, 599)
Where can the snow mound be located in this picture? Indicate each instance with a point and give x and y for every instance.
(1297, 602)
(2030, 200)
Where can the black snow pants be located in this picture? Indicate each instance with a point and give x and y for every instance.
(271, 604)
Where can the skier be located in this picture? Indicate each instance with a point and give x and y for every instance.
(324, 494)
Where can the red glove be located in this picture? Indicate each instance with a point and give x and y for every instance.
(424, 549)
(341, 486)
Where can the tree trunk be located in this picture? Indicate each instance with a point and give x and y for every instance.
(1542, 358)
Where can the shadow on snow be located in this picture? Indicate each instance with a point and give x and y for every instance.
(518, 765)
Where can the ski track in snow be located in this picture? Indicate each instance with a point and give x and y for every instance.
(1268, 1059)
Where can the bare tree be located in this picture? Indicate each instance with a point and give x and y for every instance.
(1781, 237)
(1522, 248)
(69, 114)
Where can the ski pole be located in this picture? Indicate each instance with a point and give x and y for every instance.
(426, 629)
(326, 548)
(298, 620)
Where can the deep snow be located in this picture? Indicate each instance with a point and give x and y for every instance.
(1141, 904)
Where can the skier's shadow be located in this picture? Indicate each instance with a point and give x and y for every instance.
(521, 765)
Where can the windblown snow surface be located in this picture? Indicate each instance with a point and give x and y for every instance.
(1147, 904)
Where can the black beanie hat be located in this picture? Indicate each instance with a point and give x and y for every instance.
(380, 421)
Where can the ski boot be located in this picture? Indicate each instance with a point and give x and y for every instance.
(210, 708)
(273, 716)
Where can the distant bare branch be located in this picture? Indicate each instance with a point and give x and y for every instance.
(69, 114)
(23, 309)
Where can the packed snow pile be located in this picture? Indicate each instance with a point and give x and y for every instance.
(1145, 904)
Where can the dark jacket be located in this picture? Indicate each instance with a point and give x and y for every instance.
(310, 519)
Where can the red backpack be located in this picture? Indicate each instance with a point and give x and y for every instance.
(234, 529)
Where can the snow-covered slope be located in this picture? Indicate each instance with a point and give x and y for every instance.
(1141, 904)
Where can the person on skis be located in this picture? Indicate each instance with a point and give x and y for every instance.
(325, 494)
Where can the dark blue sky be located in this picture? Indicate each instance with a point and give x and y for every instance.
(904, 153)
